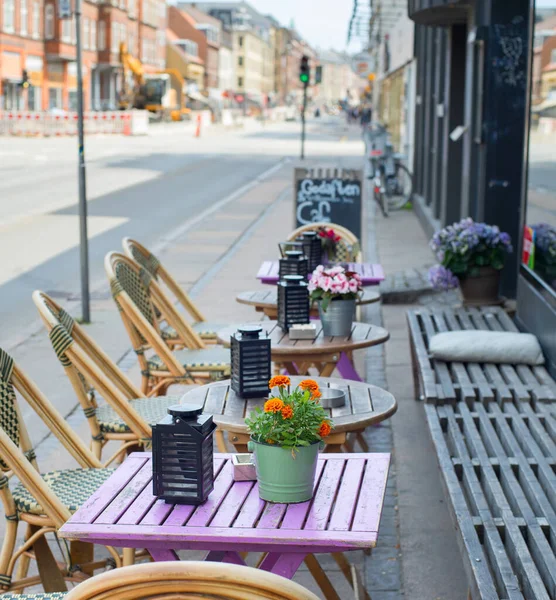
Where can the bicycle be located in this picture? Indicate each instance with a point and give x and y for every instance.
(392, 181)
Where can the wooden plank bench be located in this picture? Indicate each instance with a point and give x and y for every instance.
(494, 431)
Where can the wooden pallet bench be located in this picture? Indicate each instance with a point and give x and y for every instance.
(494, 431)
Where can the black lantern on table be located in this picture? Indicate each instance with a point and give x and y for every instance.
(293, 301)
(312, 247)
(250, 357)
(294, 262)
(183, 455)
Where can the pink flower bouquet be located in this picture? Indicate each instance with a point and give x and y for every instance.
(334, 283)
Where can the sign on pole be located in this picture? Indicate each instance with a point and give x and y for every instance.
(64, 9)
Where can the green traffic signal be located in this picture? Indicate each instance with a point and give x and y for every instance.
(304, 78)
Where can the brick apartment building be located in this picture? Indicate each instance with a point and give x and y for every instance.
(34, 40)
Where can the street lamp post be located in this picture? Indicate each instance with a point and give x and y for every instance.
(83, 237)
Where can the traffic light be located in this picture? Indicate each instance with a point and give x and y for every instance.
(304, 70)
(24, 79)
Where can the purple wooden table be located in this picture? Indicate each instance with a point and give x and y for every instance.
(344, 514)
(370, 274)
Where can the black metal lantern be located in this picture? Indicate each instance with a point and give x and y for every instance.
(294, 262)
(312, 246)
(293, 302)
(183, 455)
(250, 357)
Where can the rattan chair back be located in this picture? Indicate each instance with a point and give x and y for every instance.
(189, 580)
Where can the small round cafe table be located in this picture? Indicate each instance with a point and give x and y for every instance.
(265, 301)
(365, 405)
(323, 353)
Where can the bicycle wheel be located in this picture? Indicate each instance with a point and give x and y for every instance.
(399, 188)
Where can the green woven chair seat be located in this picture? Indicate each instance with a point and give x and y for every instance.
(71, 486)
(151, 409)
(204, 329)
(213, 359)
(41, 596)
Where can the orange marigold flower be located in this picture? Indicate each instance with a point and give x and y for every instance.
(279, 381)
(269, 441)
(324, 429)
(316, 395)
(274, 405)
(309, 384)
(287, 412)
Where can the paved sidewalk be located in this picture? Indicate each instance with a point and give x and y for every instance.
(416, 557)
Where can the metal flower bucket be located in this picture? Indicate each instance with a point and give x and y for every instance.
(338, 318)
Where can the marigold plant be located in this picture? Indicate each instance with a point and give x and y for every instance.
(292, 419)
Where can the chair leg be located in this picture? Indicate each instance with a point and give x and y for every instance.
(8, 549)
(321, 578)
(129, 556)
(96, 448)
(23, 563)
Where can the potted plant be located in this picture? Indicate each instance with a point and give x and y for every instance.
(329, 240)
(285, 439)
(545, 252)
(471, 255)
(335, 291)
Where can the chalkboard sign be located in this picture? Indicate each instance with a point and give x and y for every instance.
(328, 196)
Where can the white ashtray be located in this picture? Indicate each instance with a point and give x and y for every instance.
(243, 467)
(332, 398)
(303, 332)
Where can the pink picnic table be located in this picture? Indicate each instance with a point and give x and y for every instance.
(370, 274)
(343, 515)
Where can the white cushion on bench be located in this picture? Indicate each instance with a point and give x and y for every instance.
(486, 347)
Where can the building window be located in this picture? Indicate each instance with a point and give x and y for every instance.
(161, 36)
(66, 30)
(240, 82)
(34, 98)
(85, 34)
(240, 41)
(36, 19)
(553, 56)
(102, 35)
(49, 22)
(72, 100)
(23, 17)
(188, 46)
(240, 61)
(8, 15)
(131, 8)
(54, 98)
(115, 34)
(93, 35)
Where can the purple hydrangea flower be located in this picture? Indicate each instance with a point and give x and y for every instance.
(442, 278)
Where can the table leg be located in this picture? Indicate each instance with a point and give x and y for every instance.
(346, 568)
(160, 554)
(285, 565)
(291, 368)
(51, 577)
(327, 369)
(321, 578)
(346, 369)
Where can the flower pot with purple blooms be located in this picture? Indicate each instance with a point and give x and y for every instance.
(335, 290)
(545, 252)
(472, 256)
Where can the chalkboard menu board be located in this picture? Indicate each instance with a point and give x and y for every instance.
(329, 196)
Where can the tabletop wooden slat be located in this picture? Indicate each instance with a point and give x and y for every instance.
(365, 404)
(362, 335)
(339, 517)
(371, 274)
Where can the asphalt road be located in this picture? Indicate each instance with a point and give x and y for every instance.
(138, 187)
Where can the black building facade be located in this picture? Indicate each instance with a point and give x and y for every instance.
(472, 131)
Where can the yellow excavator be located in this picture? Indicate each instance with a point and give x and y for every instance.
(161, 93)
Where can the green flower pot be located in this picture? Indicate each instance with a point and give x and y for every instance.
(284, 476)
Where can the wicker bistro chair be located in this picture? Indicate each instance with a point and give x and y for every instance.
(348, 249)
(127, 415)
(189, 579)
(206, 330)
(136, 294)
(43, 502)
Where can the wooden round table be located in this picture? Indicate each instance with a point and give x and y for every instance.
(365, 405)
(324, 353)
(265, 301)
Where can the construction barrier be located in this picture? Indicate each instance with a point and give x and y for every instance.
(46, 124)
